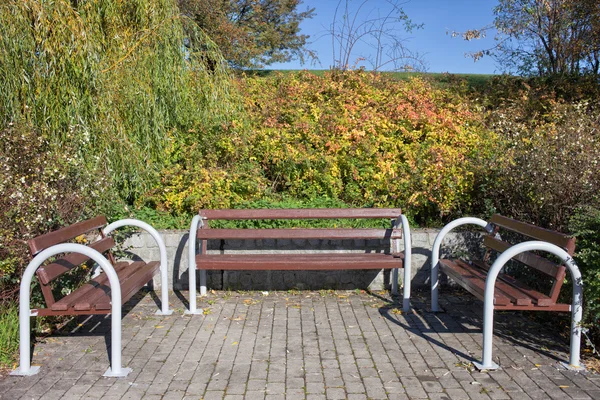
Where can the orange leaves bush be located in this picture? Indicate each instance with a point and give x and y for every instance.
(366, 139)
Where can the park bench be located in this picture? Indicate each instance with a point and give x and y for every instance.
(109, 288)
(501, 291)
(393, 259)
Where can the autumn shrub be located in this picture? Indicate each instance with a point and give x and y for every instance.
(553, 161)
(41, 190)
(367, 140)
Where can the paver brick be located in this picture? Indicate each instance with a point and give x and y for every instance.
(305, 346)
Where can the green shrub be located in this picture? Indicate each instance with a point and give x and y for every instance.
(367, 140)
(115, 81)
(9, 334)
(361, 138)
(42, 189)
(585, 225)
(552, 163)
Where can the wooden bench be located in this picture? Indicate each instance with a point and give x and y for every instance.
(106, 291)
(501, 291)
(393, 259)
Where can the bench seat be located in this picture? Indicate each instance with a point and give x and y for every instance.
(509, 294)
(286, 262)
(94, 297)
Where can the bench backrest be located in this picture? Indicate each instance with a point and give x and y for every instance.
(48, 273)
(557, 272)
(302, 213)
(393, 233)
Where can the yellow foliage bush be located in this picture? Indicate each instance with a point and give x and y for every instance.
(367, 139)
(358, 137)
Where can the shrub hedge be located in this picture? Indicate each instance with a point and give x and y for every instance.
(358, 137)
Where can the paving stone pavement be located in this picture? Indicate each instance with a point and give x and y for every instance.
(304, 345)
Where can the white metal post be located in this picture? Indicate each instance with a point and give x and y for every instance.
(164, 270)
(407, 263)
(395, 249)
(25, 368)
(196, 221)
(435, 253)
(488, 306)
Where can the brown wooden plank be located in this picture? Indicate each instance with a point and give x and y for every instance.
(516, 296)
(561, 240)
(560, 278)
(101, 292)
(131, 285)
(470, 281)
(65, 234)
(82, 293)
(45, 312)
(48, 273)
(286, 262)
(533, 260)
(293, 233)
(533, 307)
(48, 295)
(538, 298)
(301, 213)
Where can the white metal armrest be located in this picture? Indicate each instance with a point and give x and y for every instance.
(488, 304)
(196, 223)
(163, 257)
(25, 367)
(435, 252)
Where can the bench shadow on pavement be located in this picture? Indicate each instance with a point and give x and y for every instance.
(97, 325)
(466, 317)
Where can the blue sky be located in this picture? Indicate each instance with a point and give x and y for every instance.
(441, 52)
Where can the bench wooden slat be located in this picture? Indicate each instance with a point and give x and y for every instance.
(84, 291)
(538, 298)
(48, 273)
(65, 234)
(301, 213)
(513, 294)
(131, 285)
(97, 295)
(286, 262)
(561, 240)
(533, 260)
(471, 282)
(300, 233)
(102, 290)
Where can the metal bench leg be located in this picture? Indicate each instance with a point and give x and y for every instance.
(25, 368)
(488, 305)
(192, 265)
(407, 264)
(203, 282)
(435, 253)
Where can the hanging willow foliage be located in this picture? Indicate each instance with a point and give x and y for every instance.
(115, 80)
